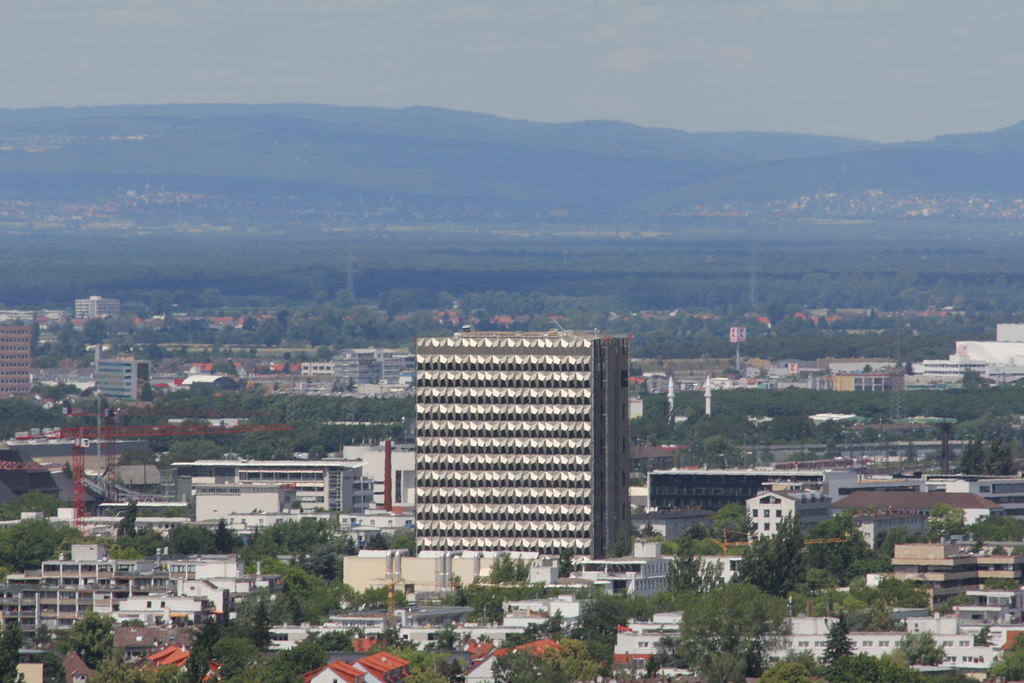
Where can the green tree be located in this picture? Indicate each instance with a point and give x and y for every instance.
(92, 638)
(198, 665)
(1000, 459)
(727, 632)
(191, 540)
(190, 450)
(53, 668)
(259, 627)
(622, 547)
(27, 544)
(775, 565)
(972, 379)
(972, 460)
(566, 663)
(507, 570)
(224, 367)
(224, 539)
(565, 562)
(126, 527)
(945, 521)
(864, 667)
(1009, 665)
(839, 643)
(844, 560)
(234, 655)
(920, 648)
(787, 672)
(601, 617)
(445, 638)
(688, 573)
(732, 518)
(10, 644)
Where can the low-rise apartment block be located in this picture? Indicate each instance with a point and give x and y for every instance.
(318, 485)
(947, 571)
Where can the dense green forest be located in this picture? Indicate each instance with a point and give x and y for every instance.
(802, 291)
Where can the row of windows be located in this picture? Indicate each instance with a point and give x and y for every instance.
(489, 519)
(475, 483)
(579, 431)
(507, 363)
(542, 546)
(504, 450)
(479, 466)
(488, 414)
(554, 398)
(435, 498)
(511, 383)
(551, 532)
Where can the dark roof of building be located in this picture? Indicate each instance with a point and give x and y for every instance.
(74, 664)
(138, 475)
(17, 482)
(674, 514)
(151, 637)
(902, 500)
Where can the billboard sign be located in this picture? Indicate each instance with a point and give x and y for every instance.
(737, 335)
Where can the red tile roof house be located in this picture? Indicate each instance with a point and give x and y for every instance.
(383, 667)
(380, 667)
(174, 656)
(484, 670)
(335, 672)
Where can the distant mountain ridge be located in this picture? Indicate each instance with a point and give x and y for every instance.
(432, 157)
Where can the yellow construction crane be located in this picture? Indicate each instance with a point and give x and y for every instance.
(725, 544)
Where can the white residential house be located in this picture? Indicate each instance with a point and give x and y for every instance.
(638, 640)
(767, 510)
(522, 613)
(643, 573)
(157, 609)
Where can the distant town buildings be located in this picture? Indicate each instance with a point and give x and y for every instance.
(1001, 360)
(522, 442)
(15, 360)
(96, 307)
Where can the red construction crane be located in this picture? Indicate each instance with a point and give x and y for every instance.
(81, 436)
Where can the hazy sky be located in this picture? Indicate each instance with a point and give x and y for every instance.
(887, 70)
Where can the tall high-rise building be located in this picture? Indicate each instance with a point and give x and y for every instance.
(522, 442)
(15, 360)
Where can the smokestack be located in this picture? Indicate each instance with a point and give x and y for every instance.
(945, 448)
(388, 476)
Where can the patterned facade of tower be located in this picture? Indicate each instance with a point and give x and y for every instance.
(522, 442)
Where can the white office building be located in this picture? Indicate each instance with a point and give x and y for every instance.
(96, 307)
(768, 510)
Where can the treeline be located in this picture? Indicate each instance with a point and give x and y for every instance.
(799, 264)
